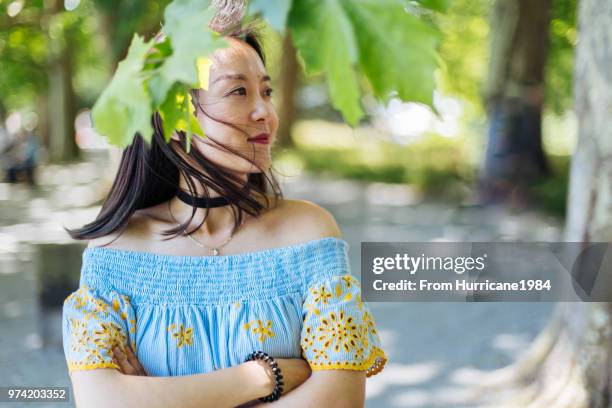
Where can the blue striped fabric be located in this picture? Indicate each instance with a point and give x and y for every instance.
(193, 314)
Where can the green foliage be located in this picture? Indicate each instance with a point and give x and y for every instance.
(393, 48)
(550, 193)
(340, 38)
(275, 12)
(438, 167)
(435, 164)
(464, 50)
(465, 45)
(123, 18)
(560, 62)
(159, 77)
(124, 108)
(186, 27)
(189, 39)
(348, 40)
(323, 34)
(437, 5)
(176, 113)
(95, 35)
(23, 52)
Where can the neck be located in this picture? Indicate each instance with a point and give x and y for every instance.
(219, 221)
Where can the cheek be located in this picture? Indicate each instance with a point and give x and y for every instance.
(225, 109)
(218, 129)
(274, 120)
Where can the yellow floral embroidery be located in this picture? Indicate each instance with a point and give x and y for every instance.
(359, 353)
(108, 336)
(79, 334)
(369, 323)
(184, 336)
(364, 339)
(80, 301)
(320, 354)
(94, 356)
(359, 302)
(100, 306)
(350, 332)
(372, 364)
(349, 281)
(308, 339)
(96, 340)
(312, 308)
(257, 327)
(338, 330)
(237, 304)
(321, 295)
(116, 305)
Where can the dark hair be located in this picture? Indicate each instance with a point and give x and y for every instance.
(149, 175)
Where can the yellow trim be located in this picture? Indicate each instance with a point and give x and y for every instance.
(352, 365)
(72, 366)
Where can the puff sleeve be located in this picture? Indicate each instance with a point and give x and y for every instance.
(339, 331)
(92, 325)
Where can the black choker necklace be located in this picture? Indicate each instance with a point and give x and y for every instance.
(201, 202)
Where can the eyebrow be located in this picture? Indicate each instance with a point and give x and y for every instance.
(240, 77)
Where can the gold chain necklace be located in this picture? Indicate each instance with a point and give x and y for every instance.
(215, 250)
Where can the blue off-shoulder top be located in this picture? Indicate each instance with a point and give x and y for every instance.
(186, 315)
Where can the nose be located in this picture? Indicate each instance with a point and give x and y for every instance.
(262, 111)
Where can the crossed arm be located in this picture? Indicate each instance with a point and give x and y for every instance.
(326, 388)
(228, 387)
(222, 388)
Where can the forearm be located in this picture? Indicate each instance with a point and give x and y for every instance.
(222, 388)
(333, 388)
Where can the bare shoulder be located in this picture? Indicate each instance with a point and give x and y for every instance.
(303, 220)
(130, 237)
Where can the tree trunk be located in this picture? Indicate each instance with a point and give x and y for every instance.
(589, 216)
(43, 120)
(62, 112)
(514, 96)
(289, 78)
(570, 364)
(62, 98)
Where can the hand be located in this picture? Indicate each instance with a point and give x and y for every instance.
(128, 364)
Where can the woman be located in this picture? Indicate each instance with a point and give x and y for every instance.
(196, 260)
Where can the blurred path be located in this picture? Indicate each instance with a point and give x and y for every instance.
(430, 345)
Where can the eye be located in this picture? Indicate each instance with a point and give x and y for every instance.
(268, 91)
(239, 91)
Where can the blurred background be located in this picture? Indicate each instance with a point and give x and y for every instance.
(490, 163)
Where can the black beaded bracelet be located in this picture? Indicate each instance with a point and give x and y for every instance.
(278, 377)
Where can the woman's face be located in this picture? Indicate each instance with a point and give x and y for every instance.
(239, 93)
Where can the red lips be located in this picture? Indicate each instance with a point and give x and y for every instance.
(263, 138)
